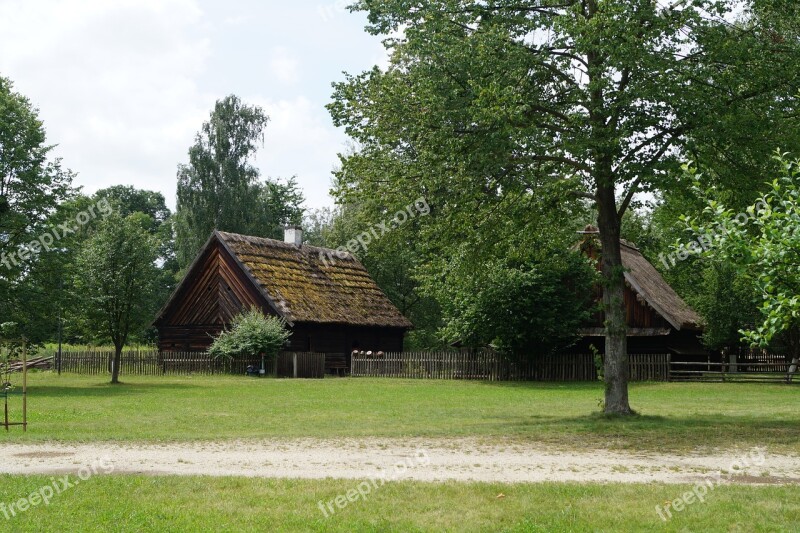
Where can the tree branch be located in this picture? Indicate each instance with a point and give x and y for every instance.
(583, 194)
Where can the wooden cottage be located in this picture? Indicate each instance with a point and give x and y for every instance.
(327, 298)
(658, 320)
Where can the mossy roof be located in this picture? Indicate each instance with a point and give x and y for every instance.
(312, 284)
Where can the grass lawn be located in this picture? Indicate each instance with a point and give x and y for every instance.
(136, 503)
(675, 417)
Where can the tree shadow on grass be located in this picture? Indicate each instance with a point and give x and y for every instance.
(104, 389)
(577, 385)
(659, 433)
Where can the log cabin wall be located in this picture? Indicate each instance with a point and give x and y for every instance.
(638, 314)
(332, 306)
(333, 338)
(217, 291)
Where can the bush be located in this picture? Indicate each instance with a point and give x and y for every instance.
(533, 308)
(251, 334)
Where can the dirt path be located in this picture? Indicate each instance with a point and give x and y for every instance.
(419, 459)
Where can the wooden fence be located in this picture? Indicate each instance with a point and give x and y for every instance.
(490, 366)
(481, 365)
(756, 358)
(733, 372)
(744, 365)
(301, 365)
(153, 363)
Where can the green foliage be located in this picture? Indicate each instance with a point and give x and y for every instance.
(531, 309)
(725, 298)
(317, 226)
(220, 189)
(116, 277)
(763, 244)
(599, 365)
(508, 109)
(251, 334)
(10, 347)
(31, 187)
(728, 302)
(127, 200)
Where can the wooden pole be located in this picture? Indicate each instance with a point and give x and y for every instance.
(24, 386)
(3, 377)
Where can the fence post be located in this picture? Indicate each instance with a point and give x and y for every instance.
(669, 367)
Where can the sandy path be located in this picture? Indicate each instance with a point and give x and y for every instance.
(422, 459)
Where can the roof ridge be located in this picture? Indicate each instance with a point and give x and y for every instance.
(340, 254)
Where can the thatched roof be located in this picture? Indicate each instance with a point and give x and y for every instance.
(648, 282)
(651, 286)
(311, 284)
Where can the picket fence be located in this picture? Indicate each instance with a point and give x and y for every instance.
(487, 365)
(154, 363)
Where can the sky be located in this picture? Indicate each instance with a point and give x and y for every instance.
(124, 85)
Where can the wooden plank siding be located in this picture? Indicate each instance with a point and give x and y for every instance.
(638, 314)
(217, 293)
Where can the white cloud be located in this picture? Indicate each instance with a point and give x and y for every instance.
(114, 82)
(235, 20)
(298, 127)
(124, 85)
(284, 66)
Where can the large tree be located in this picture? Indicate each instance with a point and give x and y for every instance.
(42, 301)
(117, 280)
(220, 187)
(127, 200)
(501, 101)
(45, 299)
(32, 184)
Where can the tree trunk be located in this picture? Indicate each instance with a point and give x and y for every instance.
(115, 365)
(616, 360)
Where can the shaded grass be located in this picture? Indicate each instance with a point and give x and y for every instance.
(674, 416)
(137, 503)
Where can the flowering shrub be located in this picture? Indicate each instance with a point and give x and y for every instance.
(251, 334)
